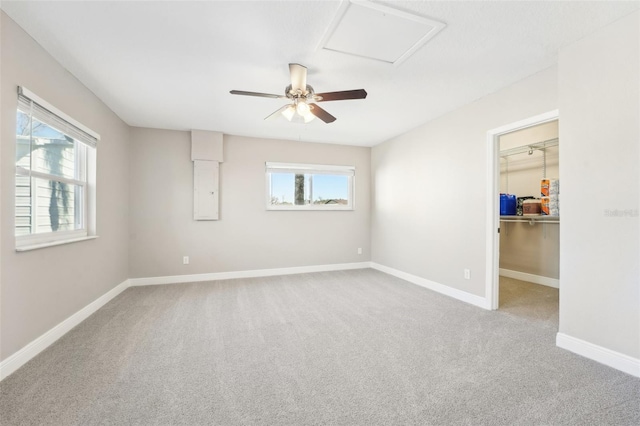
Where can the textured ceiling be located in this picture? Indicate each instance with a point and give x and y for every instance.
(171, 65)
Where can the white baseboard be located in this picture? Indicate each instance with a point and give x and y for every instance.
(536, 279)
(600, 354)
(431, 285)
(214, 276)
(21, 357)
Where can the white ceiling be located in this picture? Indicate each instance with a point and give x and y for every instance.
(171, 65)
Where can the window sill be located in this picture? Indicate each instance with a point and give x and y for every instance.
(54, 243)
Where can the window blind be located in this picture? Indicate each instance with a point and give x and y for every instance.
(312, 169)
(54, 119)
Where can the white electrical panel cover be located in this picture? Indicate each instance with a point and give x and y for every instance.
(205, 190)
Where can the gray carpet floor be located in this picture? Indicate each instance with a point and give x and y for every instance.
(530, 301)
(335, 348)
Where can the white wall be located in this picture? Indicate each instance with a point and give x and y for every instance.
(41, 288)
(247, 236)
(600, 132)
(429, 207)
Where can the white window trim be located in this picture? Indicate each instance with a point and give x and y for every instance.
(36, 243)
(87, 232)
(316, 169)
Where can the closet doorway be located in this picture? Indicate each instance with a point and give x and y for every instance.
(529, 257)
(523, 246)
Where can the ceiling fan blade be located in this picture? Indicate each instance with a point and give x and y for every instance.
(298, 77)
(277, 112)
(262, 95)
(340, 96)
(322, 114)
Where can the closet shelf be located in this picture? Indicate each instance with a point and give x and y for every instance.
(531, 219)
(538, 146)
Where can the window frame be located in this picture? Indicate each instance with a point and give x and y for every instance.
(310, 169)
(85, 163)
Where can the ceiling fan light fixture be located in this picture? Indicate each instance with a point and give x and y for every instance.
(308, 117)
(302, 107)
(289, 112)
(304, 110)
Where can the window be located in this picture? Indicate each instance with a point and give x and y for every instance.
(309, 187)
(55, 158)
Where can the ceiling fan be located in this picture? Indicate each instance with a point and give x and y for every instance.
(303, 98)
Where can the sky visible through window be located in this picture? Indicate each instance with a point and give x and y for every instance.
(325, 187)
(40, 130)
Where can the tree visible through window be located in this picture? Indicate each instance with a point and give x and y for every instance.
(299, 190)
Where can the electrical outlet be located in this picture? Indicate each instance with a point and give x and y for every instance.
(467, 274)
(359, 250)
(185, 260)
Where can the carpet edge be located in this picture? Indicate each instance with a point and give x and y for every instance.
(463, 296)
(536, 279)
(252, 273)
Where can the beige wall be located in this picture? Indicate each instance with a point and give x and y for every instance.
(429, 202)
(247, 236)
(533, 249)
(599, 150)
(41, 288)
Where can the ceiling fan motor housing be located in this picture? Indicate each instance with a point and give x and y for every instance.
(309, 93)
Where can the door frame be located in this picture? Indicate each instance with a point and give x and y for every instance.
(493, 201)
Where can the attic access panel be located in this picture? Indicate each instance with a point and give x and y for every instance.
(378, 32)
